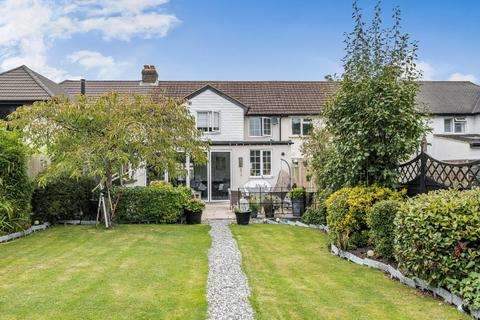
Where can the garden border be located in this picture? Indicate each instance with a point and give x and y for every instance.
(24, 233)
(415, 283)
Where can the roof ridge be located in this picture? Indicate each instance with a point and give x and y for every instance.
(35, 78)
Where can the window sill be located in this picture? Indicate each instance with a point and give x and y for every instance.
(261, 177)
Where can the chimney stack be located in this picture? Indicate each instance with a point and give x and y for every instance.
(149, 75)
(82, 86)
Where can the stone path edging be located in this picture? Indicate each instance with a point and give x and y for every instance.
(21, 234)
(227, 285)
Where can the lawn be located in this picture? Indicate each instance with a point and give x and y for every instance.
(293, 276)
(130, 272)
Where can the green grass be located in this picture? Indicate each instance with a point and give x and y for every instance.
(293, 276)
(130, 272)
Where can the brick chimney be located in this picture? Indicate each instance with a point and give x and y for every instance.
(149, 75)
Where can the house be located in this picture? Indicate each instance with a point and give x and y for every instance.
(256, 127)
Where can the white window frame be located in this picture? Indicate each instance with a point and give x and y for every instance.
(262, 126)
(302, 122)
(453, 122)
(211, 121)
(262, 163)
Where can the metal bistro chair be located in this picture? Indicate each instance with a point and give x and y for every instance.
(235, 196)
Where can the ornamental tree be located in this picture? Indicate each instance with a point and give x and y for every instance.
(106, 137)
(371, 122)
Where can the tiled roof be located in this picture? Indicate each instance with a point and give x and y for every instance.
(450, 97)
(260, 97)
(24, 84)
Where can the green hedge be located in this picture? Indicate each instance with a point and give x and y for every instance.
(437, 237)
(65, 198)
(380, 220)
(347, 211)
(162, 204)
(15, 185)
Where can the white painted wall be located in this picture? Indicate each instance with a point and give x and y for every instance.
(231, 115)
(296, 139)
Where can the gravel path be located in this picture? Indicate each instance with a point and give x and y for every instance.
(227, 286)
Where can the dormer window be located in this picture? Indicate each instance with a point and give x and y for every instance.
(455, 125)
(208, 121)
(259, 126)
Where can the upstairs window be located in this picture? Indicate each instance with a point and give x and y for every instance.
(208, 121)
(455, 125)
(259, 126)
(302, 126)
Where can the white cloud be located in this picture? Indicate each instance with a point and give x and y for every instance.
(427, 70)
(462, 77)
(28, 28)
(106, 65)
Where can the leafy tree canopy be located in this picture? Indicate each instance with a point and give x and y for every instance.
(371, 123)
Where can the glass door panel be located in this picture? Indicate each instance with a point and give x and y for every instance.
(220, 175)
(199, 180)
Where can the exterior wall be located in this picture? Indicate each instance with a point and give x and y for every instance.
(275, 131)
(231, 115)
(296, 139)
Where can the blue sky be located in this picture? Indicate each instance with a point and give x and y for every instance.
(222, 39)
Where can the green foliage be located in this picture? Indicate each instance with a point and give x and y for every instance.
(161, 184)
(65, 198)
(380, 220)
(437, 236)
(297, 193)
(104, 135)
(195, 205)
(270, 199)
(470, 290)
(314, 215)
(152, 204)
(371, 122)
(15, 185)
(347, 211)
(253, 204)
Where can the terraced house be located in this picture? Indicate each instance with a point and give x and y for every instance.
(256, 127)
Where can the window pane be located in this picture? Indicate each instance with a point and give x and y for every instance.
(255, 126)
(267, 163)
(296, 126)
(254, 163)
(216, 121)
(202, 121)
(448, 125)
(267, 126)
(459, 127)
(307, 127)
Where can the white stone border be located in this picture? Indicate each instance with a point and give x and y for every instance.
(394, 273)
(20, 234)
(77, 222)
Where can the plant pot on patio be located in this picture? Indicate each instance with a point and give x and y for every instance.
(254, 207)
(297, 196)
(194, 210)
(269, 202)
(242, 217)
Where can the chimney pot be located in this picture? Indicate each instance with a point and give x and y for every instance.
(149, 74)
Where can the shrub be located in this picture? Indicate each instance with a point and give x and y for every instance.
(437, 236)
(314, 215)
(156, 204)
(380, 220)
(15, 185)
(297, 193)
(470, 290)
(253, 204)
(162, 184)
(65, 198)
(195, 205)
(347, 211)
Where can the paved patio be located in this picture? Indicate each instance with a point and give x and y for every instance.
(218, 210)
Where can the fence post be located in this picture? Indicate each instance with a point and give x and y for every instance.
(423, 173)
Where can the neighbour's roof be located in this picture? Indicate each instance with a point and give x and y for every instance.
(24, 84)
(260, 97)
(450, 97)
(472, 139)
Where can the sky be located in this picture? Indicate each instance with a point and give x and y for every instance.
(223, 39)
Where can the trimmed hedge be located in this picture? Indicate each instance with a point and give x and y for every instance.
(65, 198)
(380, 220)
(160, 204)
(314, 215)
(347, 211)
(437, 237)
(15, 185)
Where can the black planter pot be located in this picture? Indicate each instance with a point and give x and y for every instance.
(243, 217)
(297, 207)
(193, 217)
(269, 211)
(254, 214)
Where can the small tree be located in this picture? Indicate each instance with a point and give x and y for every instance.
(372, 121)
(104, 137)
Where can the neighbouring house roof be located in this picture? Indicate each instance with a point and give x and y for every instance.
(24, 84)
(472, 139)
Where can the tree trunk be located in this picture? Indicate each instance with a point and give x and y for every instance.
(107, 201)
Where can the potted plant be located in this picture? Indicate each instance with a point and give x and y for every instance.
(297, 196)
(243, 217)
(193, 211)
(269, 202)
(254, 206)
